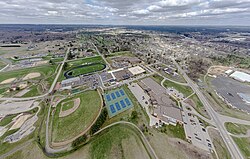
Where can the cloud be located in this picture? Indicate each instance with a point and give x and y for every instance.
(126, 12)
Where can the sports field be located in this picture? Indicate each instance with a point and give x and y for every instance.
(79, 120)
(117, 101)
(84, 69)
(46, 71)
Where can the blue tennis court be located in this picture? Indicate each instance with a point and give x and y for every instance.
(108, 97)
(127, 101)
(123, 104)
(117, 101)
(112, 108)
(117, 94)
(113, 95)
(117, 105)
(122, 92)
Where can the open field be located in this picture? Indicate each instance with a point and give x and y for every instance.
(75, 63)
(185, 90)
(244, 145)
(77, 121)
(45, 71)
(118, 142)
(219, 144)
(115, 142)
(173, 148)
(237, 129)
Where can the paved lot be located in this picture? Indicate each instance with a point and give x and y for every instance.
(229, 88)
(195, 131)
(16, 107)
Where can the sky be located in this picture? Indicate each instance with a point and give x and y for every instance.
(126, 12)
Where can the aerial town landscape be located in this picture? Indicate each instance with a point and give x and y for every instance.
(159, 82)
(109, 92)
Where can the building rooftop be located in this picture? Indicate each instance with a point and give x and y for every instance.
(241, 76)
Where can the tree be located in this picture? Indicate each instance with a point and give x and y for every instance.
(134, 115)
(65, 65)
(79, 140)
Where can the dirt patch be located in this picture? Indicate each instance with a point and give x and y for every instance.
(8, 81)
(32, 75)
(191, 150)
(70, 111)
(218, 70)
(19, 122)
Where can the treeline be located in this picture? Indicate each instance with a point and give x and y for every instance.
(79, 140)
(99, 122)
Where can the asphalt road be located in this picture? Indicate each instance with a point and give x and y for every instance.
(232, 147)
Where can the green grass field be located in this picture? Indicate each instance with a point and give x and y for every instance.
(119, 141)
(185, 90)
(244, 145)
(78, 120)
(6, 120)
(86, 70)
(2, 64)
(68, 105)
(237, 129)
(96, 59)
(46, 71)
(174, 131)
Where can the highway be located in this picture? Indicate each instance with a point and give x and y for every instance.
(232, 147)
(51, 88)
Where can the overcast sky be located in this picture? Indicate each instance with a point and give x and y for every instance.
(126, 12)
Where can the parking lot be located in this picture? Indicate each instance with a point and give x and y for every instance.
(195, 130)
(229, 89)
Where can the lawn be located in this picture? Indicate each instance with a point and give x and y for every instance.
(68, 105)
(119, 141)
(6, 120)
(237, 129)
(78, 120)
(158, 78)
(219, 144)
(244, 145)
(33, 91)
(185, 90)
(199, 106)
(174, 131)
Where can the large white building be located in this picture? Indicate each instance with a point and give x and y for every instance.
(240, 76)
